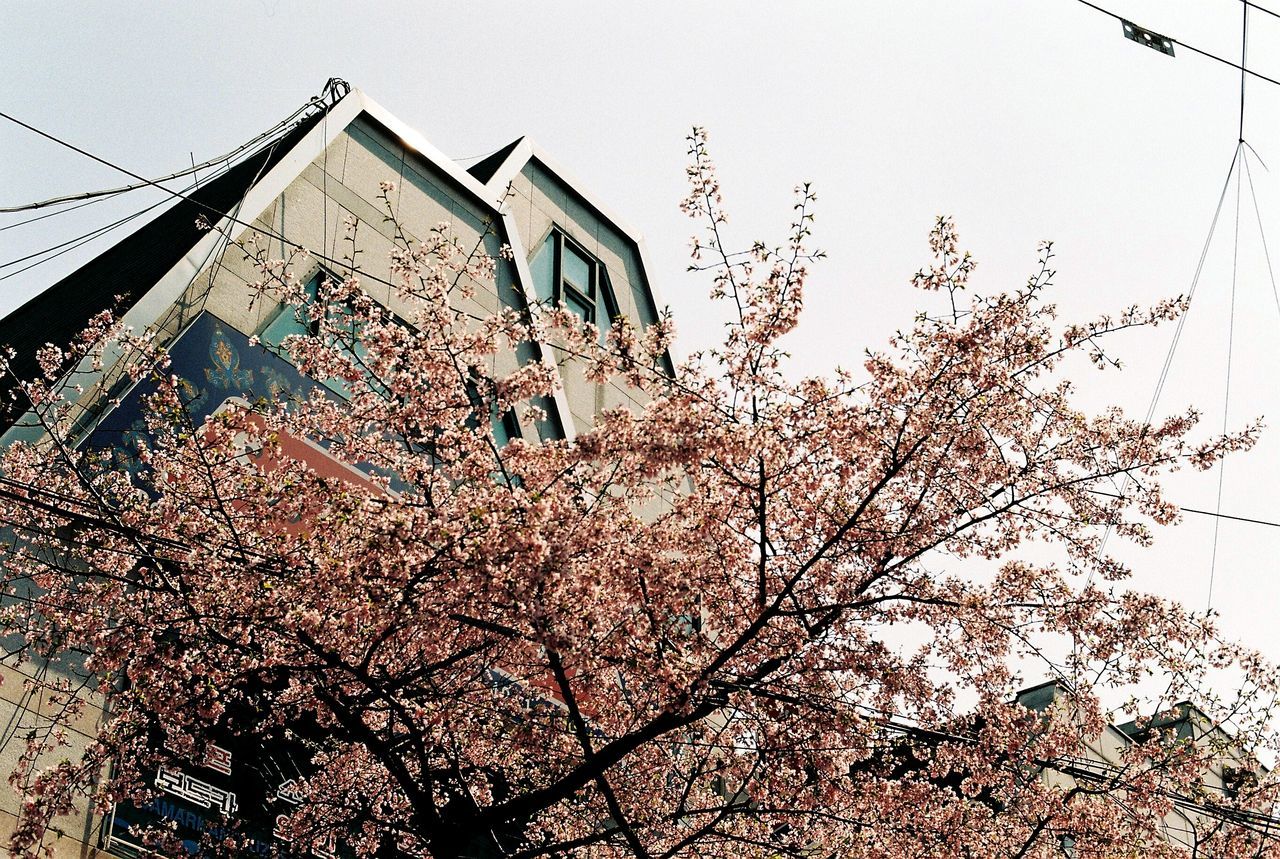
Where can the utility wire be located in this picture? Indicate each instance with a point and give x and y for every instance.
(323, 258)
(32, 220)
(1231, 311)
(1262, 9)
(269, 139)
(216, 215)
(476, 157)
(94, 233)
(1226, 394)
(1199, 511)
(225, 158)
(1192, 48)
(1163, 377)
(1271, 275)
(1244, 53)
(180, 195)
(76, 243)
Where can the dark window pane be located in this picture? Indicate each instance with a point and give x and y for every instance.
(579, 305)
(292, 320)
(505, 428)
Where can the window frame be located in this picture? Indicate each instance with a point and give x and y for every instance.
(507, 421)
(600, 291)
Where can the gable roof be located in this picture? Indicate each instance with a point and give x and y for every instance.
(485, 168)
(513, 158)
(119, 276)
(152, 268)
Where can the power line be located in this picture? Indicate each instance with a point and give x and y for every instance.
(225, 158)
(1163, 376)
(476, 157)
(94, 233)
(180, 195)
(83, 239)
(1262, 9)
(1198, 511)
(80, 241)
(32, 220)
(1244, 52)
(267, 139)
(1231, 337)
(214, 212)
(323, 258)
(1193, 48)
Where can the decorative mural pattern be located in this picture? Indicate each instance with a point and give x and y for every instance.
(212, 361)
(245, 790)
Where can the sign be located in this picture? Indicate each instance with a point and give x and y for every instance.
(245, 788)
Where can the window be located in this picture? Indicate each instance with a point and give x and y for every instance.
(565, 273)
(295, 320)
(292, 320)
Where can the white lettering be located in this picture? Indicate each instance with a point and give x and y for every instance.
(193, 790)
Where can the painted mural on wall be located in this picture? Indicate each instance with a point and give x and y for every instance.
(243, 786)
(213, 362)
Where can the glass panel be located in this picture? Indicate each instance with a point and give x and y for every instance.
(543, 270)
(285, 323)
(345, 336)
(577, 271)
(292, 320)
(579, 305)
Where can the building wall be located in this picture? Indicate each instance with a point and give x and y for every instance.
(541, 201)
(342, 183)
(1182, 826)
(27, 707)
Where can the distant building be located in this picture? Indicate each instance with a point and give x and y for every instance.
(1193, 818)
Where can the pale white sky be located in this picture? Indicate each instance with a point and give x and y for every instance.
(1025, 119)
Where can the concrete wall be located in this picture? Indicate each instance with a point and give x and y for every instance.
(342, 183)
(26, 707)
(540, 201)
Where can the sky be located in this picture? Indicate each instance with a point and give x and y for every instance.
(1026, 120)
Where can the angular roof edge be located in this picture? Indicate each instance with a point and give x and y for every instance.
(524, 150)
(484, 169)
(181, 255)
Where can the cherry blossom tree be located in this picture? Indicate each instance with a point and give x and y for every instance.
(759, 616)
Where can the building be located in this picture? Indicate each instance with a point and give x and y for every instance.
(296, 188)
(1192, 820)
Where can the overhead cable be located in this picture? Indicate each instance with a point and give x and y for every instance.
(55, 251)
(32, 220)
(1193, 48)
(323, 258)
(145, 183)
(1231, 337)
(1263, 9)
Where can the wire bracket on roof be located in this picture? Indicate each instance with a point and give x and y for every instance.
(1151, 39)
(335, 89)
